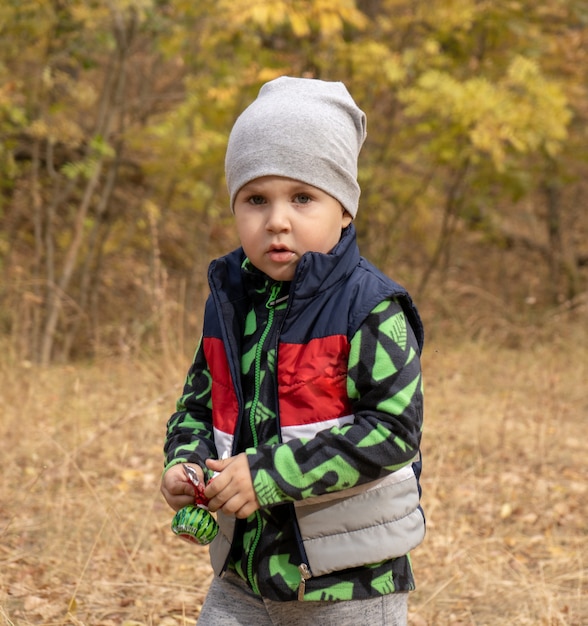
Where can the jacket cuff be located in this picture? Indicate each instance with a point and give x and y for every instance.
(266, 488)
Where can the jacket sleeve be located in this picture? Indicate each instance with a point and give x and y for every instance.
(384, 384)
(189, 437)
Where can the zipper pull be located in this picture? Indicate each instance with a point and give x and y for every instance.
(273, 297)
(304, 576)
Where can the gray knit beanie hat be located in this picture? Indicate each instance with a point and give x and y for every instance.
(301, 128)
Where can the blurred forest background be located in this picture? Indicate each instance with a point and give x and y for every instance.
(114, 118)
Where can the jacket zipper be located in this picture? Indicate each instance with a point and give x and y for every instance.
(303, 568)
(270, 305)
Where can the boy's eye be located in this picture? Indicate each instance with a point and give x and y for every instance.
(302, 198)
(256, 199)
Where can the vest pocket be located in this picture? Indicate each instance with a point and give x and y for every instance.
(367, 524)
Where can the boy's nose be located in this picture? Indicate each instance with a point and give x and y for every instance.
(277, 219)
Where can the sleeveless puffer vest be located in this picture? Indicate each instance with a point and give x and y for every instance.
(330, 297)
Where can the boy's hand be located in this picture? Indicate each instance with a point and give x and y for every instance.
(177, 490)
(232, 489)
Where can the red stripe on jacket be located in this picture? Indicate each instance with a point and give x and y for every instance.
(225, 408)
(312, 380)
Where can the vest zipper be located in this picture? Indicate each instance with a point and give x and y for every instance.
(270, 305)
(305, 575)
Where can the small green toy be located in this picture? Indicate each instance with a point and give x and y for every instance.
(195, 523)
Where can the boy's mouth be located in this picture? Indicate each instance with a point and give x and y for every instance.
(280, 254)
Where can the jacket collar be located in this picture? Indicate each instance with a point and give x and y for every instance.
(318, 272)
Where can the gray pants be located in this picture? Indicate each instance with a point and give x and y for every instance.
(230, 602)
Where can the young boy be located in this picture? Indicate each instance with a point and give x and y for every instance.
(306, 384)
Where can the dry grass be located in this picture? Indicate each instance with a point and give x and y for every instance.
(84, 533)
(505, 486)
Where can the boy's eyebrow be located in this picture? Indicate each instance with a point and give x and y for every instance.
(261, 188)
(252, 184)
(249, 189)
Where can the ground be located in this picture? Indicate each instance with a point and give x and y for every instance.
(85, 535)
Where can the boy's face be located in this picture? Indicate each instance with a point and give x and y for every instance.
(279, 219)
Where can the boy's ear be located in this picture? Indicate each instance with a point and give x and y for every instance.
(346, 219)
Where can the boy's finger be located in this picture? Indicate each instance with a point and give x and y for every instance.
(217, 465)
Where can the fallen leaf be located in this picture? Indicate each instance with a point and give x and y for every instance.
(506, 510)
